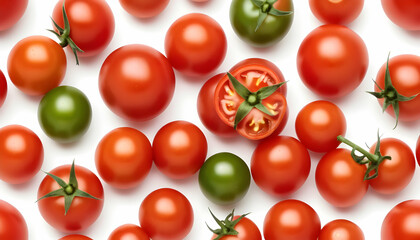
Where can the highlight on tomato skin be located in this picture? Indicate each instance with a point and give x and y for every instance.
(394, 226)
(336, 12)
(341, 229)
(404, 13)
(128, 232)
(144, 8)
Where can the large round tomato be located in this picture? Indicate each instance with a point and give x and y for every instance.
(339, 179)
(418, 151)
(404, 13)
(341, 230)
(21, 154)
(332, 61)
(13, 225)
(337, 12)
(254, 74)
(76, 237)
(179, 149)
(144, 8)
(124, 157)
(318, 124)
(166, 214)
(3, 89)
(195, 45)
(280, 165)
(36, 65)
(11, 12)
(245, 228)
(128, 232)
(291, 220)
(137, 82)
(91, 21)
(402, 222)
(83, 211)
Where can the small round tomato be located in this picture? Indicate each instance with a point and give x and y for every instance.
(21, 154)
(224, 178)
(280, 165)
(179, 149)
(3, 89)
(244, 18)
(339, 179)
(401, 222)
(291, 220)
(166, 214)
(124, 157)
(418, 151)
(76, 237)
(13, 225)
(404, 13)
(36, 65)
(236, 228)
(341, 230)
(65, 114)
(332, 61)
(144, 8)
(91, 21)
(137, 82)
(195, 44)
(318, 124)
(128, 231)
(336, 12)
(11, 12)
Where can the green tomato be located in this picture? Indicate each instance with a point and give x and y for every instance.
(244, 19)
(65, 114)
(224, 178)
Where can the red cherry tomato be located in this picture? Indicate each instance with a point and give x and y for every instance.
(195, 45)
(401, 222)
(144, 8)
(332, 61)
(13, 225)
(3, 89)
(166, 214)
(318, 124)
(11, 12)
(341, 230)
(280, 165)
(36, 65)
(137, 82)
(337, 12)
(404, 13)
(75, 237)
(339, 178)
(21, 154)
(128, 232)
(91, 21)
(291, 220)
(247, 230)
(179, 149)
(124, 157)
(418, 151)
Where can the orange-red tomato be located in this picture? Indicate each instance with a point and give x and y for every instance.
(75, 237)
(341, 230)
(336, 12)
(128, 232)
(401, 222)
(247, 230)
(404, 13)
(418, 151)
(11, 12)
(144, 8)
(13, 225)
(3, 89)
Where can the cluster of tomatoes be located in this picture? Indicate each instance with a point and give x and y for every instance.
(137, 83)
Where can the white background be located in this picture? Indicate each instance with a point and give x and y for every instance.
(362, 111)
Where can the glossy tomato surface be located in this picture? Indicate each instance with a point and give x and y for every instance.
(246, 228)
(179, 149)
(196, 45)
(336, 12)
(75, 237)
(401, 222)
(13, 225)
(36, 65)
(11, 12)
(332, 61)
(144, 8)
(341, 230)
(404, 13)
(128, 232)
(3, 89)
(280, 165)
(136, 82)
(166, 214)
(124, 157)
(418, 151)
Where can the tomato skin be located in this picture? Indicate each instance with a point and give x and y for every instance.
(405, 77)
(395, 225)
(339, 178)
(336, 12)
(404, 13)
(144, 8)
(36, 65)
(247, 230)
(318, 124)
(75, 237)
(83, 212)
(333, 71)
(341, 230)
(418, 151)
(124, 157)
(141, 92)
(196, 45)
(179, 149)
(21, 154)
(13, 225)
(280, 165)
(3, 88)
(166, 214)
(128, 231)
(277, 223)
(91, 21)
(11, 12)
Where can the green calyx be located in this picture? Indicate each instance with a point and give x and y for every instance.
(252, 99)
(64, 35)
(266, 8)
(227, 226)
(373, 160)
(68, 190)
